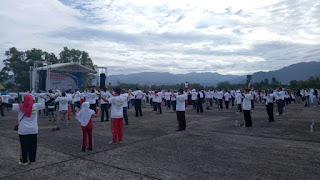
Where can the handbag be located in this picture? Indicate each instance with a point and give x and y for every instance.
(16, 127)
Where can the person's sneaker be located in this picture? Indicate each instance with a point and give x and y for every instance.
(113, 143)
(23, 164)
(55, 129)
(120, 142)
(83, 150)
(90, 148)
(277, 114)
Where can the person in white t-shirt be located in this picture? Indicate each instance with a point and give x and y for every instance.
(63, 109)
(280, 100)
(208, 98)
(158, 100)
(227, 98)
(105, 105)
(199, 101)
(220, 97)
(28, 128)
(270, 104)
(181, 109)
(138, 94)
(238, 99)
(117, 103)
(174, 101)
(168, 99)
(92, 97)
(125, 107)
(246, 106)
(194, 95)
(5, 101)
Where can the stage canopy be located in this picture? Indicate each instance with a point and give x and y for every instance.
(63, 76)
(67, 67)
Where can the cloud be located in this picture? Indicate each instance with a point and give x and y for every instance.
(180, 36)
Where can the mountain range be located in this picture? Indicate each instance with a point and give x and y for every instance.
(299, 71)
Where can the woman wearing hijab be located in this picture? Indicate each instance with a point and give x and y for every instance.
(84, 116)
(28, 128)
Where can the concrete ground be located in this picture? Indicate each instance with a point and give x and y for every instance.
(212, 147)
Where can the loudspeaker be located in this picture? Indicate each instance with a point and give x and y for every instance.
(42, 79)
(102, 81)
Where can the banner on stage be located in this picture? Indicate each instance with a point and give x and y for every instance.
(65, 81)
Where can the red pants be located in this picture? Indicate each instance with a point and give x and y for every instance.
(116, 129)
(186, 102)
(87, 130)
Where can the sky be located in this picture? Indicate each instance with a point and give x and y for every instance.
(177, 36)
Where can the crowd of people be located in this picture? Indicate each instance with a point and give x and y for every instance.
(84, 105)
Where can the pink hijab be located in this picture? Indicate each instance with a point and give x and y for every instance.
(26, 106)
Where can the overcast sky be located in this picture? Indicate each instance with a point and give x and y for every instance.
(176, 36)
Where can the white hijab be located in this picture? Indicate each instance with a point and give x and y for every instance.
(84, 115)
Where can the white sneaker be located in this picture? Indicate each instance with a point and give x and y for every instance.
(120, 142)
(277, 114)
(23, 164)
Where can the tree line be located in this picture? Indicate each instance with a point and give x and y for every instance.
(16, 75)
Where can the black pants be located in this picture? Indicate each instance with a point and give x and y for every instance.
(137, 106)
(1, 110)
(232, 99)
(28, 147)
(247, 118)
(239, 107)
(280, 106)
(93, 107)
(270, 111)
(227, 104)
(199, 105)
(125, 115)
(194, 104)
(174, 105)
(154, 106)
(220, 103)
(159, 108)
(181, 120)
(211, 102)
(104, 109)
(168, 103)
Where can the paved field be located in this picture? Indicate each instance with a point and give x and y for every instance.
(212, 147)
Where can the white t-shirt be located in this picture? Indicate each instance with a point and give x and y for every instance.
(226, 96)
(91, 98)
(63, 103)
(167, 95)
(125, 104)
(174, 98)
(194, 95)
(280, 95)
(28, 125)
(12, 95)
(208, 95)
(269, 99)
(239, 98)
(158, 97)
(41, 97)
(77, 96)
(181, 100)
(5, 98)
(138, 94)
(220, 94)
(117, 104)
(200, 94)
(105, 95)
(246, 105)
